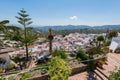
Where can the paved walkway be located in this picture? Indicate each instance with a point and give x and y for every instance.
(81, 76)
(113, 63)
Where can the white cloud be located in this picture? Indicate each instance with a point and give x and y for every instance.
(73, 18)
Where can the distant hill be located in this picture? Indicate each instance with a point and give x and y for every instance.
(71, 27)
(107, 26)
(66, 27)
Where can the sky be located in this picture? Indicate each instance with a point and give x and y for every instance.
(63, 12)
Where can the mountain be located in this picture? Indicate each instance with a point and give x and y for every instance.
(66, 27)
(107, 26)
(71, 27)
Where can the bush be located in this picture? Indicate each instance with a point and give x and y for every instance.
(105, 50)
(95, 50)
(114, 75)
(82, 55)
(1, 77)
(107, 43)
(10, 67)
(58, 69)
(59, 53)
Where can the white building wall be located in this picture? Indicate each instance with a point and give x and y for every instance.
(113, 46)
(7, 58)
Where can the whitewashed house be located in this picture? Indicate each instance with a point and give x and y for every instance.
(1, 36)
(4, 57)
(115, 44)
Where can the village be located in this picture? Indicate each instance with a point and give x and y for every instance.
(59, 40)
(39, 52)
(70, 43)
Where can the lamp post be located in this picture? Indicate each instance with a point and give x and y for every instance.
(50, 37)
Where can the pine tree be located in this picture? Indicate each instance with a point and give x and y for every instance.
(24, 20)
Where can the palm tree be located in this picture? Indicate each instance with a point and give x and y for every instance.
(4, 22)
(100, 39)
(3, 25)
(12, 33)
(2, 30)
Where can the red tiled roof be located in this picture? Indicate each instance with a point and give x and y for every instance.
(4, 51)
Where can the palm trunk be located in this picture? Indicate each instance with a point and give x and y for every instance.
(50, 46)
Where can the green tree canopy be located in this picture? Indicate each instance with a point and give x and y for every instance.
(100, 38)
(4, 22)
(13, 33)
(3, 25)
(24, 20)
(112, 34)
(81, 54)
(94, 51)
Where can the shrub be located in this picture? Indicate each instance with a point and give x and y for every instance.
(95, 50)
(114, 75)
(1, 77)
(59, 53)
(58, 69)
(82, 55)
(105, 50)
(10, 67)
(107, 43)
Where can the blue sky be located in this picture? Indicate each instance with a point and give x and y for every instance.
(63, 12)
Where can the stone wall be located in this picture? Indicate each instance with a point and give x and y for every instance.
(78, 69)
(43, 77)
(74, 71)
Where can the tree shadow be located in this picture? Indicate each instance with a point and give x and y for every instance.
(91, 76)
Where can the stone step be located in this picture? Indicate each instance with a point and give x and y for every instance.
(99, 75)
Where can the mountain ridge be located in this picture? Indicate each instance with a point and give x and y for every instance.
(70, 27)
